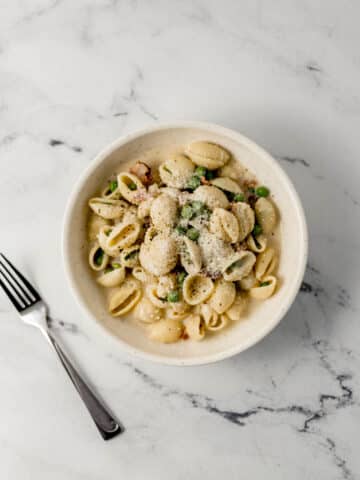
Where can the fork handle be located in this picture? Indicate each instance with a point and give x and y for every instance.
(105, 422)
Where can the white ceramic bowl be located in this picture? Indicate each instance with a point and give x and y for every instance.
(241, 335)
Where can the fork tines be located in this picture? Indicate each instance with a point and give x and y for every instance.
(19, 290)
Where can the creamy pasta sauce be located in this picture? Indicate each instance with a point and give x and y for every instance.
(182, 239)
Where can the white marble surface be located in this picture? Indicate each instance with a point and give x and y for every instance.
(286, 73)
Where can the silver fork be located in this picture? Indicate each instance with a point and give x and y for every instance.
(32, 311)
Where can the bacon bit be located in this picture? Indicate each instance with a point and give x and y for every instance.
(204, 181)
(185, 336)
(143, 172)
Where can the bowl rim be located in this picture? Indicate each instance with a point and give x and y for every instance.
(163, 359)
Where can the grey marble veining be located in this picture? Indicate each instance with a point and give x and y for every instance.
(76, 75)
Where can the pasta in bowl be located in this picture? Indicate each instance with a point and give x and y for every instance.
(197, 241)
(184, 238)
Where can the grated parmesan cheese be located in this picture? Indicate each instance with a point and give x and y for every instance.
(215, 252)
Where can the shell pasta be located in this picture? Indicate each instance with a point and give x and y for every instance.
(182, 246)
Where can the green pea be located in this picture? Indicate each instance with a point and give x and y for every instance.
(181, 277)
(99, 256)
(113, 185)
(239, 197)
(264, 284)
(257, 230)
(181, 230)
(193, 183)
(116, 265)
(210, 175)
(132, 186)
(200, 208)
(193, 234)
(187, 211)
(107, 233)
(197, 206)
(200, 171)
(262, 191)
(173, 296)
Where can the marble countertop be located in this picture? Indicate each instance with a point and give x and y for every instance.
(74, 76)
